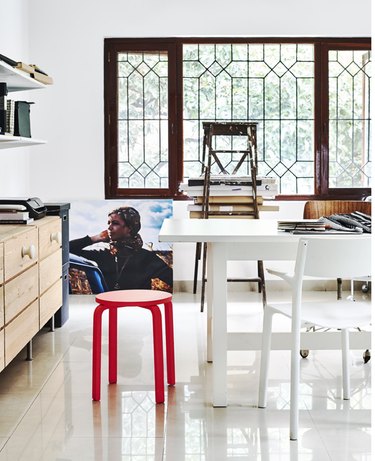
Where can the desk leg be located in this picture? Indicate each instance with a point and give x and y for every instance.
(209, 292)
(218, 262)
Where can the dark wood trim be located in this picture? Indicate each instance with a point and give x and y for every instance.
(111, 48)
(110, 115)
(322, 123)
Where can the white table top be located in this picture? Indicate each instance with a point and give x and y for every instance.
(220, 230)
(232, 230)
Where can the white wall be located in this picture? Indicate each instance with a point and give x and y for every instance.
(66, 39)
(14, 43)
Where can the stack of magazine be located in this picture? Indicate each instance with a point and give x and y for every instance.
(231, 185)
(14, 214)
(355, 222)
(305, 226)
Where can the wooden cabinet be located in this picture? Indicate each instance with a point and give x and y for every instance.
(30, 282)
(50, 267)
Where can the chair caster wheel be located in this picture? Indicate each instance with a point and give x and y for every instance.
(366, 356)
(304, 353)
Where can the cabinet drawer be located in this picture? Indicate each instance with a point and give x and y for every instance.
(19, 332)
(1, 263)
(20, 252)
(49, 238)
(50, 302)
(50, 270)
(20, 292)
(1, 307)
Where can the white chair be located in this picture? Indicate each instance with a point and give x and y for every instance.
(323, 257)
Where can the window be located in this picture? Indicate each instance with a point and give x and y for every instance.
(310, 99)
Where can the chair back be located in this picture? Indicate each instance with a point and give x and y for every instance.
(334, 256)
(314, 209)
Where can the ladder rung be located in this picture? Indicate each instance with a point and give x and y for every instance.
(228, 151)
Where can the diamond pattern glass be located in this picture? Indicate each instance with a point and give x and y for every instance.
(272, 84)
(143, 119)
(349, 119)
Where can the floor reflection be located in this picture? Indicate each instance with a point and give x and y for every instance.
(48, 414)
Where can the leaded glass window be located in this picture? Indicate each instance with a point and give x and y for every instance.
(143, 120)
(310, 99)
(272, 84)
(349, 118)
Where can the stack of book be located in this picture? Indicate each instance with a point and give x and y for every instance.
(14, 214)
(11, 105)
(230, 196)
(302, 227)
(35, 72)
(231, 185)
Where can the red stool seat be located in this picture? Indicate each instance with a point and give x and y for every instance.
(147, 299)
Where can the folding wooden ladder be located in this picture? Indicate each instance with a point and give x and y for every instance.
(235, 159)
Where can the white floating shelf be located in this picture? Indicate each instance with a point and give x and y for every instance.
(7, 142)
(17, 80)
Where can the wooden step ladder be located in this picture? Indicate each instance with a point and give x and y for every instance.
(235, 159)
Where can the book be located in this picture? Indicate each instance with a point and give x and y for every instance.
(9, 61)
(14, 215)
(38, 69)
(223, 208)
(231, 180)
(16, 221)
(25, 67)
(11, 106)
(267, 190)
(223, 180)
(305, 225)
(249, 213)
(193, 215)
(42, 78)
(226, 199)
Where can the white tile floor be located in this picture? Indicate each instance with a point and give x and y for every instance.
(47, 412)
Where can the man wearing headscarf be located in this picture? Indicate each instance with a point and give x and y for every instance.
(123, 262)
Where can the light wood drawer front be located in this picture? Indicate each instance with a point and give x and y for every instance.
(19, 332)
(1, 307)
(2, 361)
(20, 252)
(49, 238)
(1, 263)
(50, 270)
(20, 292)
(50, 302)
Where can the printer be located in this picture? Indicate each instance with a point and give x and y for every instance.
(33, 205)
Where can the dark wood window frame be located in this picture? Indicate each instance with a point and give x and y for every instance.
(173, 46)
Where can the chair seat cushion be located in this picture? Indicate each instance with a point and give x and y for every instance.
(338, 314)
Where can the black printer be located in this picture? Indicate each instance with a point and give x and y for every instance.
(33, 205)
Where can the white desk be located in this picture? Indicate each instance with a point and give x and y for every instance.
(228, 240)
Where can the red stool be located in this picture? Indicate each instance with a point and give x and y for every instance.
(148, 299)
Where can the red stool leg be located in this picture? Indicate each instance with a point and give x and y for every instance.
(169, 341)
(97, 351)
(158, 353)
(112, 345)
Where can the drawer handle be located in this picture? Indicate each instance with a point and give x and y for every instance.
(56, 237)
(28, 251)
